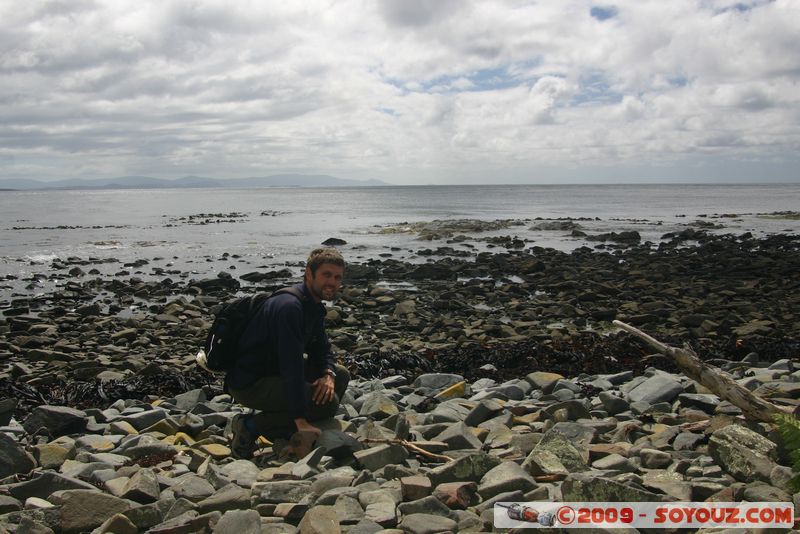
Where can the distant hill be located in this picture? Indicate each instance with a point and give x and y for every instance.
(146, 182)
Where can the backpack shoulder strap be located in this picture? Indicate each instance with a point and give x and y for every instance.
(291, 290)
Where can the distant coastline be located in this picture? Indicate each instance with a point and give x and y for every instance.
(187, 182)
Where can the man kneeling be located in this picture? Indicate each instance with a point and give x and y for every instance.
(271, 374)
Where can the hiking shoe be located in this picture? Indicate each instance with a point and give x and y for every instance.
(243, 442)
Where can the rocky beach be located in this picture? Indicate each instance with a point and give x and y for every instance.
(488, 370)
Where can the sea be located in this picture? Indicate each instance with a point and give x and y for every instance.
(198, 233)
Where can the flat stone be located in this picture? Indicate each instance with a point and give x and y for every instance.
(583, 487)
(44, 484)
(381, 455)
(427, 524)
(338, 445)
(55, 421)
(415, 487)
(382, 512)
(543, 381)
(82, 510)
(742, 453)
(117, 524)
(507, 476)
(471, 467)
(482, 411)
(378, 406)
(427, 505)
(278, 492)
(557, 445)
(459, 436)
(229, 497)
(142, 487)
(13, 457)
(239, 521)
(436, 381)
(348, 510)
(660, 387)
(655, 459)
(192, 487)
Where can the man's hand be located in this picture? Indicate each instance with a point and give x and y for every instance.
(322, 389)
(304, 426)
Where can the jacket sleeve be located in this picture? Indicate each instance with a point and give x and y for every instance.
(289, 345)
(320, 351)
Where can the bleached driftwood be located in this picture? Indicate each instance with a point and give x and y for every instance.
(713, 378)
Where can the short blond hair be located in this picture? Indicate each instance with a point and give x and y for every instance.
(319, 256)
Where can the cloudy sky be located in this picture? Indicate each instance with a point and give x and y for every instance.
(405, 91)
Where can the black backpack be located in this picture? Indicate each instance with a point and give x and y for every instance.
(219, 352)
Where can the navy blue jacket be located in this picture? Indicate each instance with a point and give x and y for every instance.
(274, 342)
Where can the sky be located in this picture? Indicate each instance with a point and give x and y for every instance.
(404, 91)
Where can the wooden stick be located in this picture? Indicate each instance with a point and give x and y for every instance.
(410, 446)
(713, 378)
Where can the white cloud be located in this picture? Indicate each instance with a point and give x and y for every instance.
(419, 90)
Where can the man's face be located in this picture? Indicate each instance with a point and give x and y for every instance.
(325, 283)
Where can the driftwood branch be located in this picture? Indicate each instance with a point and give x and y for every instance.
(410, 446)
(713, 378)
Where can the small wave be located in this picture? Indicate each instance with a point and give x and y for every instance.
(107, 245)
(41, 258)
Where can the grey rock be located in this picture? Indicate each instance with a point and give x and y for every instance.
(365, 526)
(192, 488)
(655, 459)
(380, 455)
(241, 472)
(744, 454)
(144, 419)
(348, 510)
(687, 441)
(660, 387)
(9, 504)
(427, 505)
(187, 401)
(559, 446)
(758, 492)
(543, 381)
(13, 457)
(459, 436)
(338, 445)
(239, 521)
(614, 462)
(582, 487)
(381, 512)
(612, 403)
(483, 411)
(467, 468)
(230, 497)
(578, 434)
(82, 510)
(117, 524)
(376, 405)
(55, 421)
(142, 487)
(507, 476)
(44, 484)
(436, 381)
(278, 492)
(427, 524)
